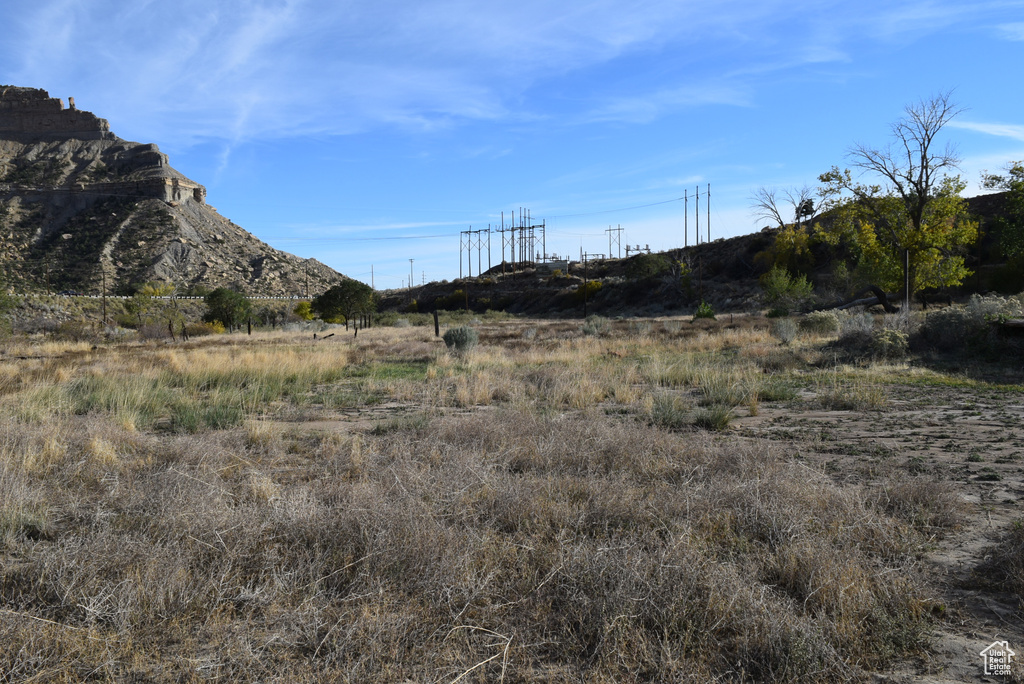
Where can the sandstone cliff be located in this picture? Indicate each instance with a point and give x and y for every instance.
(81, 209)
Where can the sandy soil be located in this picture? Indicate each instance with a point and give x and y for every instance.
(972, 441)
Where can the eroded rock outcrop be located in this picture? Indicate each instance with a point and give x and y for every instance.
(80, 207)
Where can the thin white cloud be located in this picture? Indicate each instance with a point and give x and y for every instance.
(1013, 31)
(245, 69)
(647, 107)
(1012, 131)
(238, 70)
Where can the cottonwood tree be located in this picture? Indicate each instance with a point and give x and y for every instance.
(144, 304)
(346, 300)
(227, 306)
(1011, 223)
(907, 223)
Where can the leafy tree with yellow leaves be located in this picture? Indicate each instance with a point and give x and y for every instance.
(908, 228)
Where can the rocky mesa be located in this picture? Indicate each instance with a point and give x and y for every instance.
(81, 209)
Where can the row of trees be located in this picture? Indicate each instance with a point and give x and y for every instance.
(902, 220)
(150, 305)
(341, 303)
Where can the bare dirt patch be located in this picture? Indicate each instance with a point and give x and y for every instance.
(971, 442)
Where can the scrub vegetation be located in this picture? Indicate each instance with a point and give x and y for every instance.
(658, 500)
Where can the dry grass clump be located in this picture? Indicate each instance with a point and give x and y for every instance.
(925, 503)
(1005, 562)
(853, 397)
(839, 390)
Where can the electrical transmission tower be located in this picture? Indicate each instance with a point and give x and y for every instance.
(614, 237)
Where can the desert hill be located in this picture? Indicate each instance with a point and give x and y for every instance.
(725, 273)
(81, 209)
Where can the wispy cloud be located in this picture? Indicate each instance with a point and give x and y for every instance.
(239, 69)
(1013, 31)
(1012, 131)
(647, 107)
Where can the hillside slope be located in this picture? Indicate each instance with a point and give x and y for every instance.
(81, 209)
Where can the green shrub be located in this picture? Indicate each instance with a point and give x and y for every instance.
(640, 328)
(820, 322)
(461, 339)
(969, 327)
(704, 310)
(889, 343)
(784, 329)
(779, 285)
(851, 324)
(855, 335)
(646, 266)
(595, 326)
(452, 302)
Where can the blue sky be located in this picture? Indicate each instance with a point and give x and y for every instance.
(366, 133)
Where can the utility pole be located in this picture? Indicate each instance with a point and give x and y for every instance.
(372, 286)
(686, 218)
(512, 242)
(410, 274)
(584, 284)
(709, 212)
(696, 213)
(906, 284)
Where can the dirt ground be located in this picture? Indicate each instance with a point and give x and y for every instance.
(971, 441)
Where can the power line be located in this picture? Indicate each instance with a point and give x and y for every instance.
(355, 239)
(611, 211)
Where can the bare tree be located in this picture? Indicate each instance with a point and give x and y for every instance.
(910, 165)
(772, 204)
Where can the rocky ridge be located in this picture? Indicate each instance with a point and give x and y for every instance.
(81, 209)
